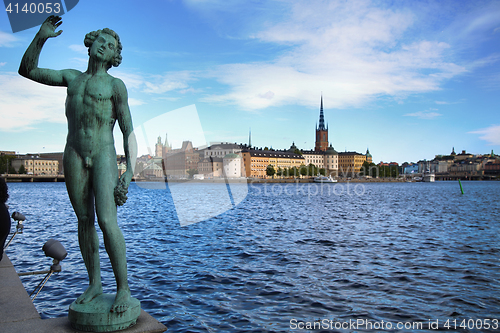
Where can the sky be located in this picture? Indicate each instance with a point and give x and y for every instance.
(407, 79)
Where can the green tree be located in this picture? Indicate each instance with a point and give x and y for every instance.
(5, 163)
(22, 170)
(312, 170)
(369, 169)
(192, 172)
(279, 172)
(303, 170)
(293, 172)
(270, 171)
(322, 171)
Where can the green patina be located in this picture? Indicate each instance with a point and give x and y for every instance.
(95, 101)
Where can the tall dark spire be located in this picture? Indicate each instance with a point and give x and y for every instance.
(249, 137)
(321, 116)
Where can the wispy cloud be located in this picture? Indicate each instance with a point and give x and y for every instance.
(24, 103)
(7, 39)
(430, 114)
(135, 102)
(352, 51)
(159, 83)
(490, 134)
(448, 102)
(79, 49)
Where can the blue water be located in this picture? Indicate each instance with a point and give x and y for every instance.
(401, 252)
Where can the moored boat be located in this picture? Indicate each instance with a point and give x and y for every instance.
(324, 179)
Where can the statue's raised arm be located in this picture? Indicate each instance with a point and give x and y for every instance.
(29, 63)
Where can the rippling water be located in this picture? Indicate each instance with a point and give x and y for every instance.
(401, 252)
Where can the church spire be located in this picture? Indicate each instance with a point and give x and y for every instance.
(321, 116)
(249, 137)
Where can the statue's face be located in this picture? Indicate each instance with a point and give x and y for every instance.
(103, 48)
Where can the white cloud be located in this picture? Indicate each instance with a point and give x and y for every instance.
(135, 102)
(3, 64)
(424, 114)
(490, 134)
(7, 40)
(351, 51)
(157, 84)
(160, 84)
(79, 49)
(24, 103)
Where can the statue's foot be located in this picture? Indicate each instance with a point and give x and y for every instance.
(92, 292)
(121, 303)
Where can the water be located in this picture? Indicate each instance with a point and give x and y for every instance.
(402, 252)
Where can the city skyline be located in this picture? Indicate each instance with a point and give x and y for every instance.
(408, 81)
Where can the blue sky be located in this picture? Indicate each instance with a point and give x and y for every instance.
(406, 79)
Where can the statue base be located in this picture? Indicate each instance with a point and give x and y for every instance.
(95, 316)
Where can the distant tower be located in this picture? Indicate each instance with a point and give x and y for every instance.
(369, 157)
(249, 137)
(321, 131)
(159, 148)
(453, 152)
(167, 146)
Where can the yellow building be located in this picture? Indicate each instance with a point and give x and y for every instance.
(37, 166)
(256, 161)
(350, 163)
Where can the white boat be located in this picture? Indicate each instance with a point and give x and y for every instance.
(324, 179)
(429, 177)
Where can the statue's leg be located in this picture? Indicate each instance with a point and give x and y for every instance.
(79, 186)
(105, 179)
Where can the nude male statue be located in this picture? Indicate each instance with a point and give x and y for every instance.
(95, 101)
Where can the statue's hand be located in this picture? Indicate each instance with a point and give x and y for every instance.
(49, 26)
(121, 189)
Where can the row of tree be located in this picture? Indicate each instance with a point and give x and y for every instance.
(6, 165)
(309, 170)
(373, 170)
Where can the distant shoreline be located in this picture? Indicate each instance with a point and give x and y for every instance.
(60, 178)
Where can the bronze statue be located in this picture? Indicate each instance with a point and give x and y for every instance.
(95, 101)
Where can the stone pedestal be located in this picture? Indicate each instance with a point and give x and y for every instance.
(95, 316)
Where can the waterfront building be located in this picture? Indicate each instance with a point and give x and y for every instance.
(232, 166)
(463, 156)
(466, 169)
(256, 161)
(332, 161)
(178, 162)
(492, 168)
(153, 168)
(211, 167)
(350, 163)
(35, 165)
(221, 149)
(327, 160)
(316, 158)
(410, 169)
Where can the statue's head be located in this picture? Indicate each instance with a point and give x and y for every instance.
(110, 41)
